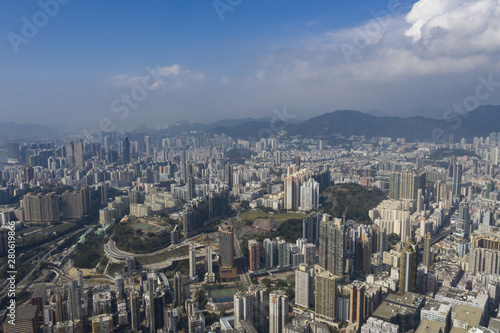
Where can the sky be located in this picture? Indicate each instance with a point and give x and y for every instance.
(114, 64)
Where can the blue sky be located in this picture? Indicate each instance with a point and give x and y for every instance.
(264, 54)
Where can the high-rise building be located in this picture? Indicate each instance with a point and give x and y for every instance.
(12, 152)
(148, 146)
(228, 175)
(309, 195)
(42, 207)
(457, 179)
(270, 253)
(332, 249)
(104, 192)
(126, 151)
(310, 227)
(304, 286)
(74, 301)
(79, 155)
(357, 304)
(191, 188)
(120, 287)
(183, 166)
(366, 244)
(192, 260)
(135, 306)
(405, 185)
(427, 256)
(292, 186)
(463, 221)
(208, 259)
(179, 290)
(251, 306)
(254, 251)
(278, 311)
(325, 294)
(408, 269)
(283, 253)
(226, 245)
(243, 308)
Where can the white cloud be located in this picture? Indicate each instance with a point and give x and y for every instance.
(173, 77)
(455, 27)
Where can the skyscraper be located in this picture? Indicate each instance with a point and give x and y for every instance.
(135, 306)
(309, 195)
(104, 192)
(190, 188)
(192, 260)
(457, 179)
(208, 259)
(304, 286)
(226, 245)
(427, 259)
(228, 175)
(408, 269)
(74, 301)
(12, 152)
(79, 154)
(367, 252)
(310, 227)
(148, 146)
(242, 307)
(183, 166)
(332, 245)
(463, 221)
(356, 304)
(405, 185)
(254, 251)
(270, 253)
(120, 287)
(126, 151)
(278, 311)
(326, 293)
(179, 289)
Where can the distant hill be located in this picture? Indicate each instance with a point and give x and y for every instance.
(479, 122)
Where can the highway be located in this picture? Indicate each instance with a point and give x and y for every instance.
(49, 247)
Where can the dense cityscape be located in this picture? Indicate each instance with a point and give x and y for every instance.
(237, 166)
(198, 232)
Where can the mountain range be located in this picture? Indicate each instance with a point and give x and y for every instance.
(479, 122)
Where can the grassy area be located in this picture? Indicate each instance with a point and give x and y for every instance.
(253, 215)
(26, 230)
(180, 252)
(46, 233)
(61, 227)
(223, 292)
(288, 216)
(280, 217)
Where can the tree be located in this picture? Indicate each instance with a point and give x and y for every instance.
(393, 239)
